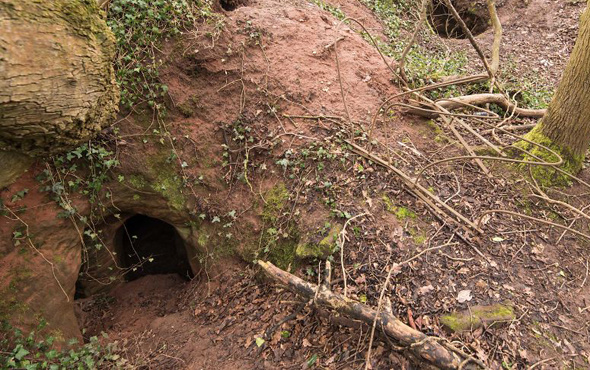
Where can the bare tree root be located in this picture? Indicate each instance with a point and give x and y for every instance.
(425, 348)
(473, 101)
(500, 99)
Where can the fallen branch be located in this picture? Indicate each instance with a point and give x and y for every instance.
(425, 348)
(431, 200)
(424, 110)
(501, 100)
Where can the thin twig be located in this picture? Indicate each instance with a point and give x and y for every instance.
(341, 240)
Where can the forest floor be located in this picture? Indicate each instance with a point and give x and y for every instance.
(164, 322)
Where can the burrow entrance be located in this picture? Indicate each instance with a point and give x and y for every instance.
(231, 5)
(138, 247)
(445, 25)
(151, 246)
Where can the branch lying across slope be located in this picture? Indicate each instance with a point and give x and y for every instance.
(477, 99)
(500, 99)
(427, 349)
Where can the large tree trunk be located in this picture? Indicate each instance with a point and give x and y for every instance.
(567, 122)
(57, 83)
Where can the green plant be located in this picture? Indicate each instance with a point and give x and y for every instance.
(139, 27)
(95, 161)
(335, 11)
(426, 61)
(35, 351)
(392, 13)
(84, 170)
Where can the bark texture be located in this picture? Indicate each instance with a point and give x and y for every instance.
(57, 83)
(567, 122)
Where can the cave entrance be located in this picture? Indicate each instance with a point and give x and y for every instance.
(445, 25)
(231, 5)
(151, 246)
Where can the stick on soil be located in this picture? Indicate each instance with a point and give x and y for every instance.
(425, 348)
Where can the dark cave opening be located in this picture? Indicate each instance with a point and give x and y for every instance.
(445, 25)
(230, 5)
(151, 246)
(139, 247)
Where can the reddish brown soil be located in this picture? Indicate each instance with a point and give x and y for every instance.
(164, 322)
(271, 58)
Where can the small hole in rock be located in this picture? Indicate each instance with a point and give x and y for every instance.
(230, 5)
(445, 25)
(151, 246)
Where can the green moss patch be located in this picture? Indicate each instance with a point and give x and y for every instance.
(279, 239)
(401, 213)
(476, 317)
(167, 181)
(276, 199)
(10, 305)
(546, 175)
(323, 249)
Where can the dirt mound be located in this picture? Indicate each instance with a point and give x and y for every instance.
(283, 52)
(271, 58)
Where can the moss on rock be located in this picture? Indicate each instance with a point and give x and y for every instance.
(14, 165)
(323, 249)
(278, 243)
(476, 317)
(167, 181)
(275, 199)
(10, 305)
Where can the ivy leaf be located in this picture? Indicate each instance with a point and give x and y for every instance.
(312, 360)
(20, 352)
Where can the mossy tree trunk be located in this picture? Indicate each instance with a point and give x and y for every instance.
(57, 83)
(567, 122)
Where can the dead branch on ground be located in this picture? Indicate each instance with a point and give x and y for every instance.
(477, 99)
(425, 348)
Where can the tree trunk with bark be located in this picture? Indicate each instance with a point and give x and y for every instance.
(57, 83)
(566, 125)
